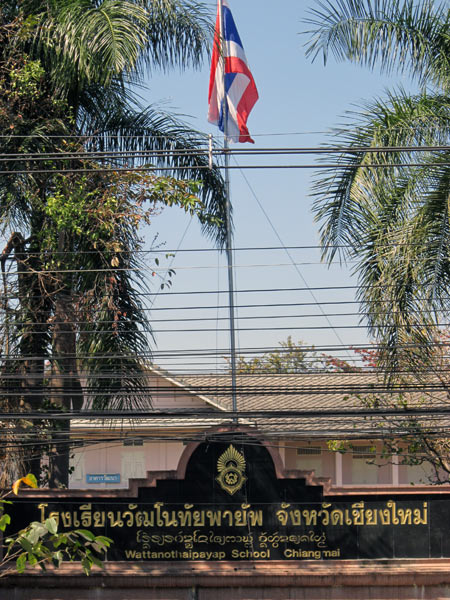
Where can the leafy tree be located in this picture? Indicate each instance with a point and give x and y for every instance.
(405, 428)
(41, 544)
(89, 311)
(387, 211)
(69, 70)
(369, 357)
(292, 357)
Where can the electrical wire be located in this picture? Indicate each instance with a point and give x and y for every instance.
(289, 327)
(219, 151)
(157, 169)
(178, 250)
(244, 413)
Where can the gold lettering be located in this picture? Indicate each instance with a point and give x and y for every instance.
(42, 508)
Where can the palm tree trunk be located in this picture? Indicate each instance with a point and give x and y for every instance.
(33, 344)
(66, 391)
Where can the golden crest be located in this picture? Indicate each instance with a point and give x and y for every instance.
(231, 467)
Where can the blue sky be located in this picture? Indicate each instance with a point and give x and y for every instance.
(299, 102)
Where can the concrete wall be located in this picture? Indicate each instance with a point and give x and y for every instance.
(129, 462)
(166, 394)
(355, 469)
(340, 580)
(134, 461)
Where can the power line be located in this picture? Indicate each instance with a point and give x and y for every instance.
(202, 319)
(152, 168)
(195, 352)
(386, 244)
(227, 414)
(239, 291)
(220, 151)
(156, 269)
(184, 308)
(150, 329)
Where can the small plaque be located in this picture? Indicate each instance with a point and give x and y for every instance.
(103, 478)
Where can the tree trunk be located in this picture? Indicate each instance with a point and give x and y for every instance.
(28, 393)
(66, 391)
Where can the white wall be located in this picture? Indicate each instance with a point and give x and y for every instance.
(128, 461)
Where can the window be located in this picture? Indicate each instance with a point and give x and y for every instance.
(363, 452)
(309, 451)
(423, 473)
(309, 458)
(133, 442)
(133, 464)
(362, 470)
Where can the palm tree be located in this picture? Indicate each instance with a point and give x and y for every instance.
(69, 71)
(95, 55)
(388, 211)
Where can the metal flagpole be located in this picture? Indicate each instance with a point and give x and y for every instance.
(229, 248)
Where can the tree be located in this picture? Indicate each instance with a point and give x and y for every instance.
(42, 544)
(385, 207)
(401, 419)
(68, 74)
(290, 358)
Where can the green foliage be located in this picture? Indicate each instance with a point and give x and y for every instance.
(401, 436)
(42, 544)
(341, 446)
(5, 520)
(69, 71)
(291, 358)
(83, 61)
(391, 219)
(393, 35)
(25, 82)
(95, 211)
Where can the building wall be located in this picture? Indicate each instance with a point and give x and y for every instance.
(116, 459)
(165, 394)
(355, 466)
(351, 468)
(363, 466)
(340, 580)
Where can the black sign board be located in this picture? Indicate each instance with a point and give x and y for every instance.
(231, 506)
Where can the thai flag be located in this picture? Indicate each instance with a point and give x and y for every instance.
(231, 81)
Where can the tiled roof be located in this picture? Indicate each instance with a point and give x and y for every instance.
(320, 394)
(307, 390)
(141, 424)
(296, 405)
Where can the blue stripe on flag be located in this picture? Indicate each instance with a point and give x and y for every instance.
(230, 32)
(229, 78)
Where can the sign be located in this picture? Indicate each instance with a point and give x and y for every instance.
(231, 506)
(281, 531)
(103, 478)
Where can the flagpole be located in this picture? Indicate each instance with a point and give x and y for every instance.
(229, 248)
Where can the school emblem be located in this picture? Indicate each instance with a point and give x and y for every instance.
(231, 467)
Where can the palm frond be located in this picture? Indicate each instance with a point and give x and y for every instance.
(179, 33)
(434, 228)
(346, 196)
(82, 44)
(389, 212)
(390, 281)
(86, 43)
(407, 36)
(116, 125)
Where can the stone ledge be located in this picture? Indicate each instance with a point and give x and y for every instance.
(348, 573)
